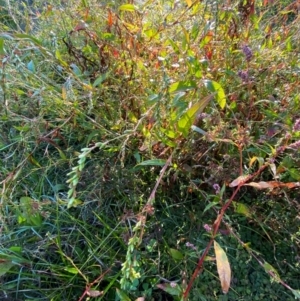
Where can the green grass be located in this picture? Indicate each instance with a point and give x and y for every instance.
(101, 102)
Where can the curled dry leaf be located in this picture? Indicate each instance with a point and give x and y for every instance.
(273, 184)
(94, 293)
(238, 181)
(223, 267)
(260, 185)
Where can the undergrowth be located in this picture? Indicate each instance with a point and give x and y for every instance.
(134, 136)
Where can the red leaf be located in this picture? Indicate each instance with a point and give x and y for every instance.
(208, 52)
(110, 19)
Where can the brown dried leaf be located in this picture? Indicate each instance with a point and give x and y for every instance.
(260, 185)
(94, 293)
(238, 181)
(223, 267)
(273, 184)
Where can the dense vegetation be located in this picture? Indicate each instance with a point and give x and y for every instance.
(150, 150)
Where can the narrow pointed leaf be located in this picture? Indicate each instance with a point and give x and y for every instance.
(296, 293)
(127, 7)
(223, 267)
(122, 295)
(2, 51)
(29, 37)
(5, 266)
(154, 162)
(271, 271)
(101, 78)
(188, 118)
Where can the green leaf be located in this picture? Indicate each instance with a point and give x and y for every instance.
(168, 142)
(242, 209)
(182, 86)
(16, 249)
(13, 258)
(171, 288)
(169, 133)
(122, 295)
(271, 271)
(61, 154)
(127, 7)
(29, 37)
(2, 52)
(186, 37)
(211, 204)
(84, 3)
(195, 30)
(36, 219)
(151, 32)
(74, 203)
(5, 266)
(24, 128)
(213, 86)
(21, 219)
(294, 173)
(296, 293)
(71, 270)
(31, 66)
(174, 46)
(187, 119)
(101, 78)
(177, 255)
(58, 56)
(33, 161)
(76, 70)
(288, 44)
(154, 162)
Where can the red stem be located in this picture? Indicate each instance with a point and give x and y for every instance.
(219, 218)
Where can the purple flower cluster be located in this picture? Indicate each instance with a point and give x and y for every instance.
(207, 228)
(216, 188)
(247, 52)
(190, 245)
(280, 149)
(244, 75)
(202, 116)
(295, 145)
(296, 126)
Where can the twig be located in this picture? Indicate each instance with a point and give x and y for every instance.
(88, 286)
(162, 172)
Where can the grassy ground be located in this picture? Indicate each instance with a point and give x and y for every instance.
(125, 131)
